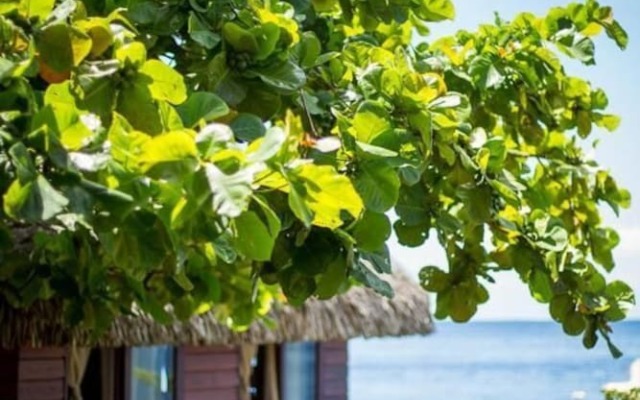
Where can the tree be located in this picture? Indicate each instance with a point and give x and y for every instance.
(188, 155)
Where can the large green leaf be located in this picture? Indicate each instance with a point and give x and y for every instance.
(378, 184)
(333, 279)
(248, 127)
(202, 106)
(62, 47)
(256, 235)
(36, 8)
(286, 77)
(168, 147)
(267, 37)
(239, 38)
(371, 121)
(138, 107)
(164, 82)
(66, 122)
(372, 231)
(484, 73)
(327, 194)
(34, 200)
(201, 33)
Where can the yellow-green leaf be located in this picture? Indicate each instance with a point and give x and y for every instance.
(168, 147)
(36, 8)
(166, 83)
(328, 195)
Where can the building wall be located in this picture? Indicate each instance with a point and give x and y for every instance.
(207, 373)
(33, 374)
(332, 371)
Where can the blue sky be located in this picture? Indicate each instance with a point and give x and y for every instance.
(617, 73)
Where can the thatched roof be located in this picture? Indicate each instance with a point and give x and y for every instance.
(357, 313)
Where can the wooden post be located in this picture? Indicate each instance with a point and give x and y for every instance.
(33, 374)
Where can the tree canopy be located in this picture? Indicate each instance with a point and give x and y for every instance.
(186, 155)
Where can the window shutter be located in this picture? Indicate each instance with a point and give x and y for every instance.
(332, 371)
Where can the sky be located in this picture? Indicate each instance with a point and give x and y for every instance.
(617, 73)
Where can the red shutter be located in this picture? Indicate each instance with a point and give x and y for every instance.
(332, 371)
(208, 373)
(33, 374)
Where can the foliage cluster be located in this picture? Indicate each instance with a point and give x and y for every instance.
(633, 394)
(219, 154)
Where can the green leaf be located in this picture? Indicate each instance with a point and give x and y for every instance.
(202, 106)
(201, 33)
(372, 231)
(617, 33)
(540, 286)
(297, 287)
(98, 30)
(621, 292)
(255, 236)
(333, 279)
(436, 10)
(579, 47)
(479, 204)
(132, 55)
(574, 323)
(168, 147)
(36, 8)
(164, 82)
(34, 200)
(240, 39)
(378, 184)
(371, 121)
(96, 90)
(247, 127)
(364, 275)
(462, 302)
(298, 205)
(231, 192)
(63, 47)
(379, 260)
(327, 194)
(607, 121)
(434, 279)
(66, 123)
(410, 235)
(286, 77)
(603, 241)
(262, 103)
(22, 162)
(267, 37)
(560, 306)
(310, 49)
(484, 73)
(138, 107)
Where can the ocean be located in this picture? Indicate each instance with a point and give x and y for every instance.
(488, 361)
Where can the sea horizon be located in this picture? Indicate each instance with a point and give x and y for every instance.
(489, 360)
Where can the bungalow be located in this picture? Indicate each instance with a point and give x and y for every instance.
(304, 357)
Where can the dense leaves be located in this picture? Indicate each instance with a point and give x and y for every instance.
(188, 155)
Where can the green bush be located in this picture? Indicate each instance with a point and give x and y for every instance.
(188, 155)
